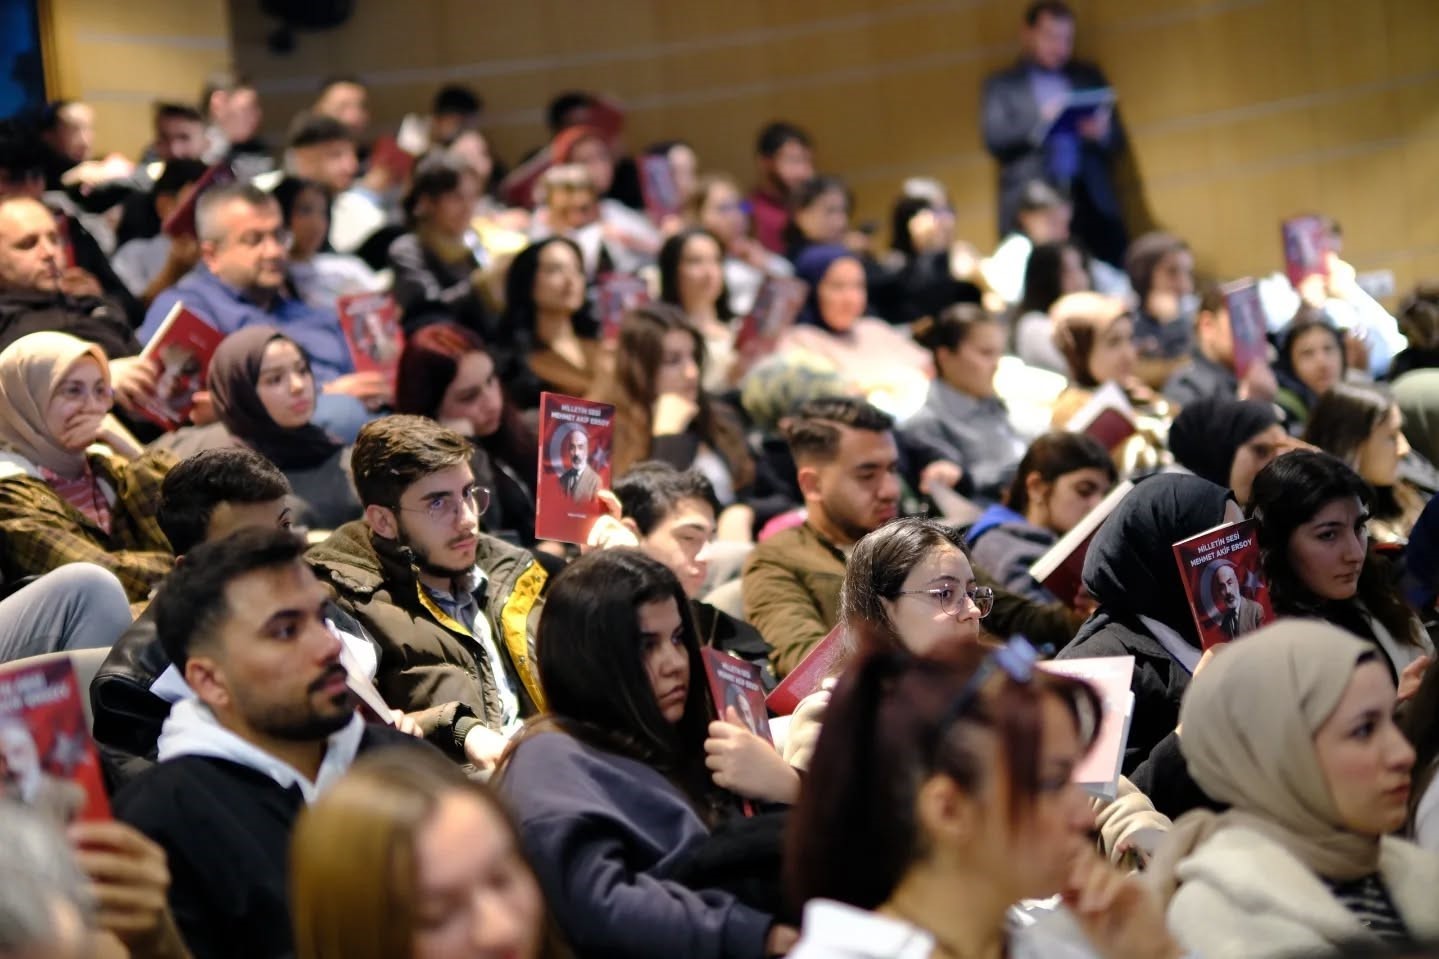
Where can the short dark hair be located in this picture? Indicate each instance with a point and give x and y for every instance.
(1143, 256)
(814, 432)
(1419, 316)
(311, 129)
(454, 99)
(177, 175)
(434, 176)
(952, 327)
(191, 601)
(652, 489)
(563, 103)
(1047, 8)
(196, 486)
(773, 136)
(177, 111)
(1052, 456)
(393, 453)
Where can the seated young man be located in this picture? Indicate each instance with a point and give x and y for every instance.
(672, 514)
(273, 723)
(847, 464)
(452, 609)
(203, 499)
(1211, 373)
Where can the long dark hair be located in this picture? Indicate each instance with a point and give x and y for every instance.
(520, 313)
(1343, 419)
(1287, 494)
(632, 391)
(670, 256)
(592, 671)
(854, 832)
(876, 572)
(1052, 456)
(428, 365)
(1043, 276)
(1305, 320)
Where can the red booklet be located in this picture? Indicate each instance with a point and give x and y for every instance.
(820, 663)
(657, 185)
(1110, 676)
(1061, 569)
(1107, 417)
(182, 348)
(1248, 325)
(181, 221)
(1306, 241)
(576, 443)
(616, 294)
(735, 682)
(775, 307)
(1220, 569)
(371, 324)
(47, 758)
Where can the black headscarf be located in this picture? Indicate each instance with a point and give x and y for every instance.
(1207, 434)
(234, 373)
(1130, 568)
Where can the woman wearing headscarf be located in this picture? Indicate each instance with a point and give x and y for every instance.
(264, 397)
(1142, 609)
(1228, 441)
(883, 363)
(62, 501)
(1293, 729)
(264, 394)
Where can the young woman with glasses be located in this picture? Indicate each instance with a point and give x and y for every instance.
(939, 799)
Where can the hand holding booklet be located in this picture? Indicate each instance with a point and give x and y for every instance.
(1111, 677)
(1108, 417)
(47, 758)
(1077, 105)
(181, 349)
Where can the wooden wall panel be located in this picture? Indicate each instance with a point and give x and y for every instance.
(122, 57)
(1240, 111)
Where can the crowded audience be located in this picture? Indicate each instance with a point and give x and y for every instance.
(832, 603)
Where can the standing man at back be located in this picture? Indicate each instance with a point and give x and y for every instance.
(1019, 103)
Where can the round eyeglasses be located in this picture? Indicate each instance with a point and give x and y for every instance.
(446, 506)
(948, 598)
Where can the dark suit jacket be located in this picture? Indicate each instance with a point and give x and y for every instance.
(1010, 115)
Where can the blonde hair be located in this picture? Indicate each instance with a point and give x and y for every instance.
(353, 864)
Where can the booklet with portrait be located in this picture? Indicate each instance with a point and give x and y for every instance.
(615, 295)
(1228, 596)
(371, 324)
(1247, 324)
(47, 758)
(576, 448)
(1306, 245)
(180, 350)
(735, 682)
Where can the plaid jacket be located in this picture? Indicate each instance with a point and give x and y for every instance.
(40, 531)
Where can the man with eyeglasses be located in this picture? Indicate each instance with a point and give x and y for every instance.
(453, 609)
(241, 280)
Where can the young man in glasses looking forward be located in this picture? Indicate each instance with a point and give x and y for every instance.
(452, 608)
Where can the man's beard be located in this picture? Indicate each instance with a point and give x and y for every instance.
(303, 722)
(420, 556)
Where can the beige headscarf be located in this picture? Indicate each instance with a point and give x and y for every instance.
(31, 369)
(1249, 721)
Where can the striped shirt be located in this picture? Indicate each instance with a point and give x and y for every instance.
(1369, 901)
(84, 492)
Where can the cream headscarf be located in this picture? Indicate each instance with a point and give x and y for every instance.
(31, 369)
(1249, 721)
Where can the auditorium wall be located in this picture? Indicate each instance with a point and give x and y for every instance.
(1240, 111)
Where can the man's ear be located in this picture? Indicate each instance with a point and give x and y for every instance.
(632, 526)
(208, 249)
(382, 522)
(809, 484)
(205, 677)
